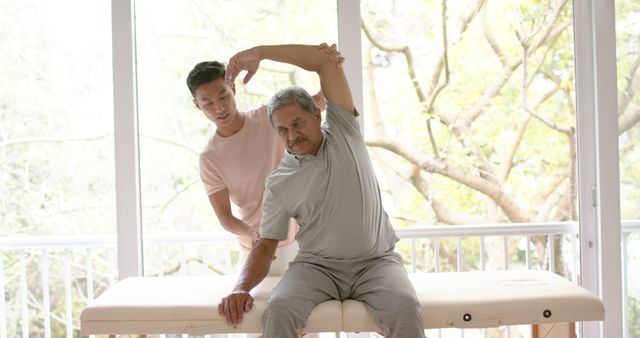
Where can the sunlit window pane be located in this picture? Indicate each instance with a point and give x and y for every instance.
(471, 114)
(628, 57)
(56, 163)
(171, 38)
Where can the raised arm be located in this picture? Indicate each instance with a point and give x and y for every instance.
(318, 98)
(320, 59)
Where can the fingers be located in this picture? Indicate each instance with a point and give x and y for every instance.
(333, 53)
(233, 311)
(247, 60)
(248, 77)
(227, 311)
(248, 304)
(255, 237)
(232, 72)
(233, 307)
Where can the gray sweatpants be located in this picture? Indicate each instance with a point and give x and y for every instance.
(380, 283)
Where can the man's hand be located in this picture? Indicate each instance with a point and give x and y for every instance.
(248, 60)
(333, 53)
(233, 306)
(255, 237)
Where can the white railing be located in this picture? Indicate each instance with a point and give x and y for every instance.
(86, 265)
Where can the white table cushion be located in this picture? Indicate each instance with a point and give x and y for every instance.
(154, 305)
(491, 298)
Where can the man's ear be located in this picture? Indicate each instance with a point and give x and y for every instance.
(195, 103)
(317, 113)
(233, 88)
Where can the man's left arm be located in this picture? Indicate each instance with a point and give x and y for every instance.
(320, 59)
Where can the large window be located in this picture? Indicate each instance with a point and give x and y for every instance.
(628, 55)
(471, 115)
(171, 38)
(56, 163)
(469, 110)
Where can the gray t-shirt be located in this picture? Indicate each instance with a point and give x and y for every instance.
(333, 196)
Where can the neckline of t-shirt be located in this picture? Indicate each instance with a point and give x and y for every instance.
(239, 132)
(302, 159)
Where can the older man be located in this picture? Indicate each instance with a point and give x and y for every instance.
(327, 183)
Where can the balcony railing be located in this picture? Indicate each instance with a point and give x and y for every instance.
(46, 281)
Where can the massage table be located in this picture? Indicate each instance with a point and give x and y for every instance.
(176, 305)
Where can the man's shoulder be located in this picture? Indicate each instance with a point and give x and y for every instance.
(281, 176)
(338, 117)
(258, 113)
(210, 146)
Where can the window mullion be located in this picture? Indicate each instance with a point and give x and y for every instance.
(126, 140)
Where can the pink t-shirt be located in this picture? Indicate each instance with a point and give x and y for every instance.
(241, 163)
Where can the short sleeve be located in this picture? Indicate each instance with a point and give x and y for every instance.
(210, 176)
(340, 119)
(275, 219)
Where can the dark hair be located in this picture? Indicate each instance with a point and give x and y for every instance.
(204, 72)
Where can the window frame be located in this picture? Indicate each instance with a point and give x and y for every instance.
(598, 159)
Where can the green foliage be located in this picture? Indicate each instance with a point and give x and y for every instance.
(633, 317)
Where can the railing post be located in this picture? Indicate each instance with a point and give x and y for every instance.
(436, 249)
(459, 258)
(552, 252)
(505, 251)
(625, 286)
(528, 253)
(413, 255)
(46, 304)
(67, 294)
(23, 296)
(3, 303)
(482, 254)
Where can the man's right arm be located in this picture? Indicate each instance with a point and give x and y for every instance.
(222, 206)
(233, 306)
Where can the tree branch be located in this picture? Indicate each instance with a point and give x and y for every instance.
(628, 120)
(443, 213)
(488, 35)
(408, 57)
(374, 112)
(463, 123)
(491, 190)
(172, 142)
(628, 93)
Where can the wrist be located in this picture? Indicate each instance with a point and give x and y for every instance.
(240, 288)
(259, 51)
(249, 232)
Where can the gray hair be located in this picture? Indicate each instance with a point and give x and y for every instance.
(293, 94)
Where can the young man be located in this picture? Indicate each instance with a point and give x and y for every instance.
(327, 183)
(237, 159)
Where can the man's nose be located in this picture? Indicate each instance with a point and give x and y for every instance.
(217, 106)
(293, 134)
